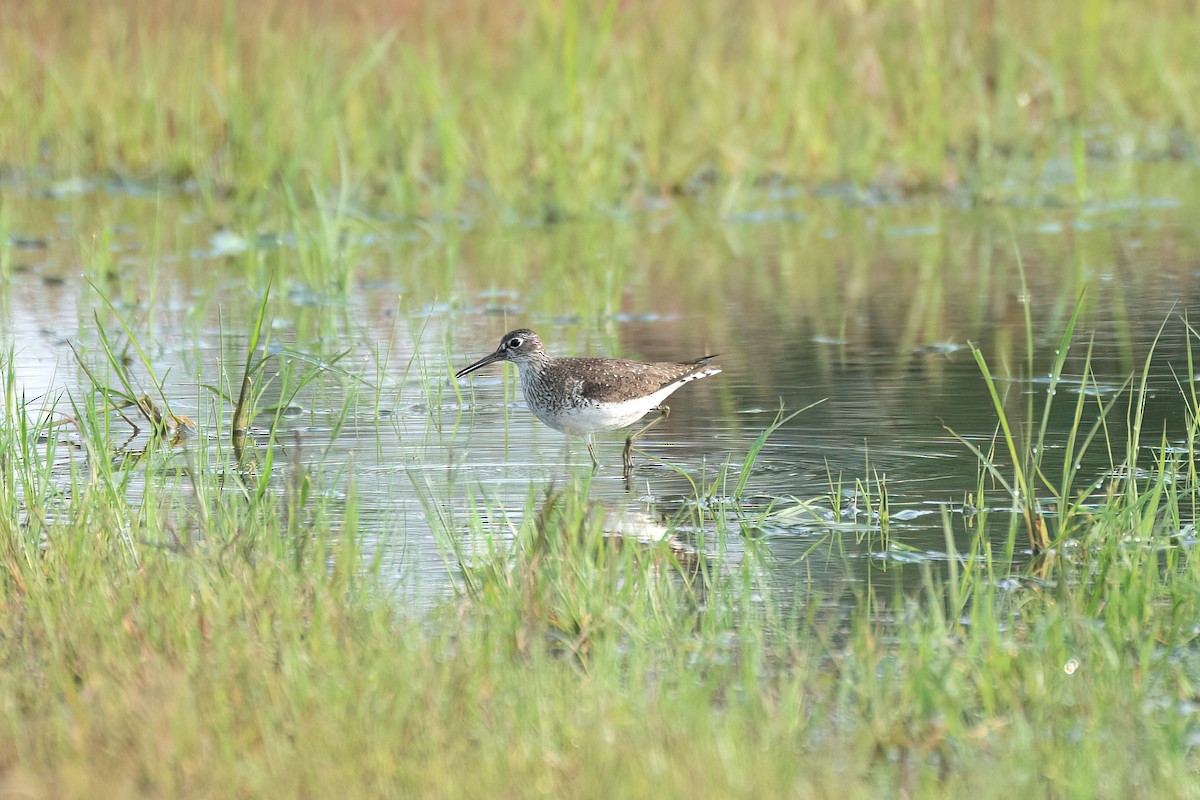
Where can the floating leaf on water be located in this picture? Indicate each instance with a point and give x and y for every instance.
(940, 348)
(224, 243)
(904, 515)
(1094, 390)
(805, 510)
(623, 317)
(499, 294)
(902, 553)
(381, 285)
(69, 187)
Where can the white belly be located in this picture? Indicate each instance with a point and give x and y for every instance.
(601, 417)
(590, 417)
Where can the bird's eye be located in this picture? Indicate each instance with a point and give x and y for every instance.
(514, 343)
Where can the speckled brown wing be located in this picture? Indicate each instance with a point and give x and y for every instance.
(611, 380)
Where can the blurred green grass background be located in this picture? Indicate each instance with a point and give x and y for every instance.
(557, 108)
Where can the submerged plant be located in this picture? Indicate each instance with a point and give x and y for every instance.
(1054, 510)
(569, 570)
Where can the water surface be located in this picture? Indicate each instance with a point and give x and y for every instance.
(859, 308)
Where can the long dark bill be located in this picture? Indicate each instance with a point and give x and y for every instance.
(483, 362)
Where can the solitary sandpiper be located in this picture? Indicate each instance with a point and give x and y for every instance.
(580, 396)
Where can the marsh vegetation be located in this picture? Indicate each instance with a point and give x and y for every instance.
(256, 541)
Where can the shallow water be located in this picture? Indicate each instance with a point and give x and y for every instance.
(859, 308)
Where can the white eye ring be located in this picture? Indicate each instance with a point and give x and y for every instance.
(513, 343)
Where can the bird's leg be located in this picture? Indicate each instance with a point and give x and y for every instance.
(663, 413)
(592, 453)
